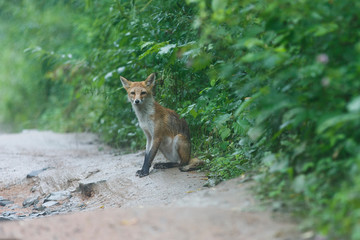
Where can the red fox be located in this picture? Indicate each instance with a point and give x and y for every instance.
(163, 129)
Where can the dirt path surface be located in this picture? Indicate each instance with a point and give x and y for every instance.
(94, 193)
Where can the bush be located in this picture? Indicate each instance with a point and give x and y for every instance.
(298, 63)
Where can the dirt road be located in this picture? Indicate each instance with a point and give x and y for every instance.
(70, 186)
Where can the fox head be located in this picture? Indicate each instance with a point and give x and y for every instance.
(138, 92)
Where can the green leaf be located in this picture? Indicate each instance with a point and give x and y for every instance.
(337, 120)
(354, 105)
(166, 49)
(248, 101)
(153, 49)
(202, 61)
(252, 42)
(323, 29)
(252, 57)
(218, 4)
(222, 119)
(241, 126)
(225, 132)
(193, 113)
(299, 183)
(145, 44)
(255, 133)
(213, 82)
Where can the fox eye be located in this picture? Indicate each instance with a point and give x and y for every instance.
(132, 93)
(143, 93)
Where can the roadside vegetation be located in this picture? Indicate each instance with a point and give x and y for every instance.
(267, 87)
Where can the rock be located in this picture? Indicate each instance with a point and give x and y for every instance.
(36, 172)
(13, 207)
(40, 209)
(5, 202)
(8, 216)
(82, 206)
(49, 204)
(58, 196)
(3, 219)
(30, 201)
(34, 189)
(39, 214)
(7, 213)
(212, 182)
(34, 215)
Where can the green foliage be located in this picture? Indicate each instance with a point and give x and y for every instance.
(274, 82)
(304, 70)
(298, 61)
(134, 39)
(40, 80)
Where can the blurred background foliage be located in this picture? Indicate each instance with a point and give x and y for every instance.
(267, 87)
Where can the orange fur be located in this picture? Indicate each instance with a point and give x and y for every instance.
(163, 128)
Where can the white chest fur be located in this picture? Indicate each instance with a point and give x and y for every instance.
(145, 114)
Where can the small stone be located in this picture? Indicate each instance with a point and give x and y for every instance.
(41, 208)
(83, 205)
(54, 212)
(30, 201)
(211, 182)
(43, 213)
(35, 173)
(13, 207)
(39, 214)
(5, 202)
(58, 196)
(34, 215)
(34, 189)
(7, 214)
(49, 204)
(3, 219)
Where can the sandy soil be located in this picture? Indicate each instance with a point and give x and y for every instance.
(109, 202)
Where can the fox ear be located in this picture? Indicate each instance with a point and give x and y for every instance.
(150, 81)
(125, 82)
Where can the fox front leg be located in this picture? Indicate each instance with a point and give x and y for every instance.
(149, 157)
(144, 171)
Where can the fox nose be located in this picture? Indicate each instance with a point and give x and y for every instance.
(137, 101)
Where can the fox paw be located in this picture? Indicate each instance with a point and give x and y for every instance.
(141, 173)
